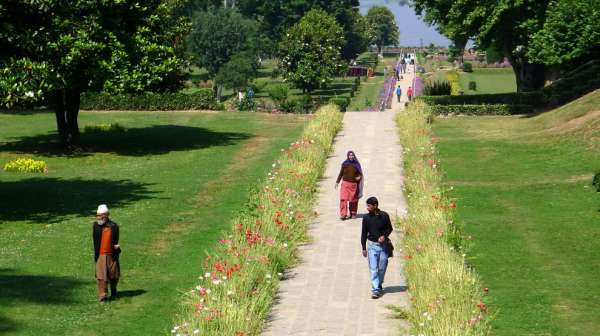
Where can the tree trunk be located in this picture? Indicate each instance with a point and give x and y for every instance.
(66, 109)
(529, 76)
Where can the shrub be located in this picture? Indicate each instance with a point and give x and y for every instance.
(279, 93)
(596, 181)
(247, 104)
(467, 67)
(452, 77)
(26, 166)
(341, 102)
(239, 280)
(275, 73)
(304, 104)
(113, 127)
(437, 88)
(472, 85)
(480, 109)
(200, 100)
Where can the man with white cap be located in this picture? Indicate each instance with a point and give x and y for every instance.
(105, 234)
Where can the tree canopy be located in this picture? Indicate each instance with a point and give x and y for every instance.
(311, 51)
(383, 22)
(63, 48)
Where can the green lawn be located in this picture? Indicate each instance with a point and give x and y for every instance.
(173, 181)
(489, 80)
(523, 192)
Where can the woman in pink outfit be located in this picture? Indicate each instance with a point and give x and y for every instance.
(351, 176)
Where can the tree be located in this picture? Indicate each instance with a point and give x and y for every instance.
(384, 24)
(236, 73)
(220, 34)
(506, 25)
(570, 34)
(310, 51)
(358, 33)
(64, 48)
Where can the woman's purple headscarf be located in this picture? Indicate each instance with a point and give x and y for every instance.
(354, 162)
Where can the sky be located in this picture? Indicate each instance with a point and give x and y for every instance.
(412, 29)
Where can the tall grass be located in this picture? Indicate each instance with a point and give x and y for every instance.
(446, 296)
(240, 280)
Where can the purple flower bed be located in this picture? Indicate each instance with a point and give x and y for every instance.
(417, 86)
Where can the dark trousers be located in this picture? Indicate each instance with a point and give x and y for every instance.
(103, 290)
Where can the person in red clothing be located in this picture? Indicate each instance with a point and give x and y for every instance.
(409, 93)
(351, 190)
(105, 234)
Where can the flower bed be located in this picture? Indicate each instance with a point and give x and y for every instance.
(26, 166)
(240, 279)
(446, 296)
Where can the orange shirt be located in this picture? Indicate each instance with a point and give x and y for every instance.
(105, 242)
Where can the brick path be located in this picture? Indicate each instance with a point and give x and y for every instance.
(328, 293)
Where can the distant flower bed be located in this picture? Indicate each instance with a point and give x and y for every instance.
(116, 127)
(26, 166)
(240, 278)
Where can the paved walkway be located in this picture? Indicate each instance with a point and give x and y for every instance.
(328, 293)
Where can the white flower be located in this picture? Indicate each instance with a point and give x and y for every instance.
(230, 292)
(207, 275)
(196, 332)
(216, 282)
(224, 278)
(268, 276)
(285, 245)
(29, 94)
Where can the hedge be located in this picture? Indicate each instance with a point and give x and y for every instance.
(480, 110)
(199, 100)
(341, 102)
(529, 98)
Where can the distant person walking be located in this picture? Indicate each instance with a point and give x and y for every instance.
(376, 228)
(403, 65)
(105, 234)
(409, 93)
(351, 176)
(398, 93)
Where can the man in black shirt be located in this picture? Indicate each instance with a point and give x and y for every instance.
(376, 227)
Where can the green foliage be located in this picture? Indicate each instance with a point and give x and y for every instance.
(247, 104)
(304, 104)
(199, 100)
(310, 51)
(596, 181)
(368, 59)
(472, 85)
(386, 31)
(493, 55)
(102, 128)
(573, 85)
(437, 88)
(570, 33)
(467, 67)
(279, 93)
(358, 33)
(529, 98)
(480, 109)
(23, 83)
(236, 73)
(219, 35)
(341, 102)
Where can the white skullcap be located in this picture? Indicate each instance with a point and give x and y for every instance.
(102, 209)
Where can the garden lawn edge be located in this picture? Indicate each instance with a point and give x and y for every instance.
(445, 294)
(241, 275)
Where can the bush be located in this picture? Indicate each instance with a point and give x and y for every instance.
(357, 81)
(529, 98)
(480, 109)
(452, 77)
(472, 85)
(304, 104)
(116, 128)
(26, 166)
(275, 73)
(437, 88)
(596, 181)
(279, 93)
(247, 104)
(199, 100)
(467, 67)
(341, 102)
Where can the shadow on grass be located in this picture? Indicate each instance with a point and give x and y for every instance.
(158, 139)
(49, 200)
(7, 325)
(16, 287)
(131, 293)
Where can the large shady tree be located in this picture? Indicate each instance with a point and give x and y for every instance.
(57, 49)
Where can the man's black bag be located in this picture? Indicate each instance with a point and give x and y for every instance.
(388, 247)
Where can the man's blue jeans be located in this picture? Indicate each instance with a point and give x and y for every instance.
(378, 260)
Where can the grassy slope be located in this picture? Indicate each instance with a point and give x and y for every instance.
(523, 190)
(489, 80)
(173, 181)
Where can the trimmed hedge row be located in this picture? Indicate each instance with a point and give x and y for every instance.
(200, 100)
(479, 110)
(529, 98)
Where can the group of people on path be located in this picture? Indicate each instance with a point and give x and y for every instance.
(409, 93)
(376, 224)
